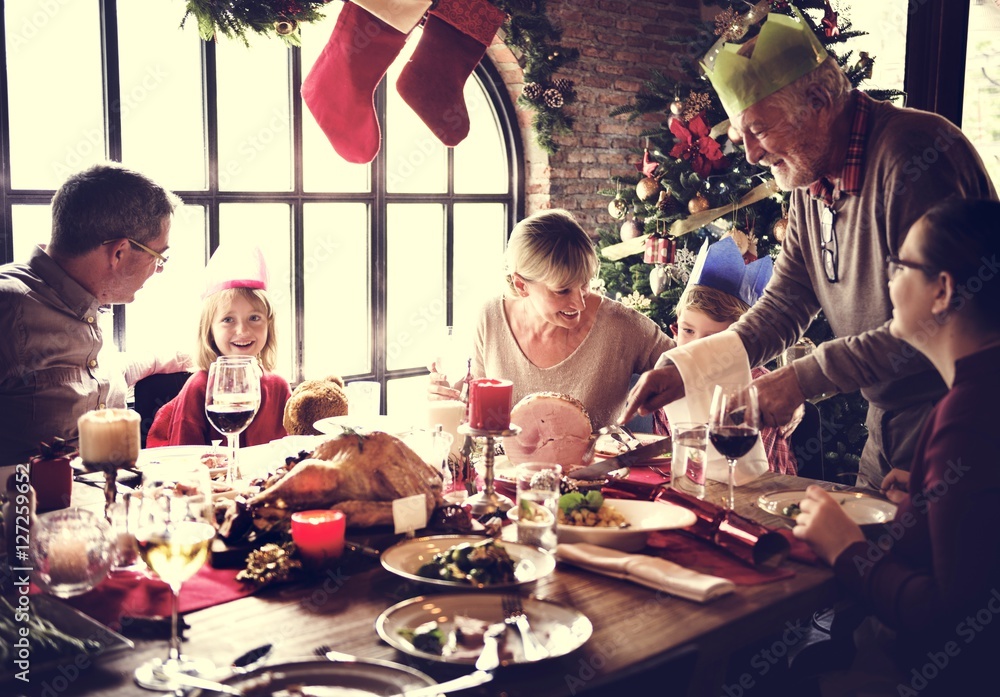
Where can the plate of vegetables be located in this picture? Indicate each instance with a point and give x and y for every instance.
(861, 507)
(467, 562)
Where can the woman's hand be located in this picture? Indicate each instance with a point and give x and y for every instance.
(438, 387)
(825, 526)
(896, 485)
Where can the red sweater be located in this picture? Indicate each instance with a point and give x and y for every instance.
(938, 585)
(182, 420)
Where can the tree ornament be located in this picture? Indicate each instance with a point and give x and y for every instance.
(697, 204)
(630, 229)
(864, 65)
(677, 106)
(666, 204)
(553, 98)
(734, 135)
(658, 279)
(617, 208)
(647, 188)
(285, 27)
(532, 91)
(780, 228)
(695, 104)
(741, 239)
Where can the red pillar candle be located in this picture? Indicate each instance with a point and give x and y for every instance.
(319, 535)
(489, 404)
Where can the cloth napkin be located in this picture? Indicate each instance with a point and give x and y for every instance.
(645, 570)
(703, 364)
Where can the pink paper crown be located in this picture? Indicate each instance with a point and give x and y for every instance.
(235, 266)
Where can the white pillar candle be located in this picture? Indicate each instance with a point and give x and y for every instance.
(449, 413)
(109, 436)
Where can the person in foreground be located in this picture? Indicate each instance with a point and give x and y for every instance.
(110, 234)
(938, 584)
(860, 173)
(237, 319)
(550, 332)
(721, 288)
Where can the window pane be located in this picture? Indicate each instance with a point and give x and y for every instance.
(407, 397)
(885, 22)
(337, 319)
(480, 232)
(415, 304)
(32, 225)
(323, 168)
(981, 108)
(164, 316)
(483, 144)
(53, 69)
(417, 161)
(268, 226)
(161, 94)
(255, 147)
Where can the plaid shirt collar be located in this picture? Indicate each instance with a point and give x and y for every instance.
(852, 172)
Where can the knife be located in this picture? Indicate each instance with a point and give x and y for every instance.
(633, 458)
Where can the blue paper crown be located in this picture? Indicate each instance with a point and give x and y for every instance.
(720, 265)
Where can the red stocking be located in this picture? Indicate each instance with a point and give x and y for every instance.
(340, 88)
(455, 38)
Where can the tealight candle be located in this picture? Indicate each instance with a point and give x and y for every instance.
(68, 560)
(109, 436)
(319, 535)
(490, 403)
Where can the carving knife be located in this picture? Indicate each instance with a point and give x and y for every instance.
(643, 455)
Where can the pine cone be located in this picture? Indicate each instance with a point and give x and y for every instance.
(553, 98)
(567, 88)
(532, 91)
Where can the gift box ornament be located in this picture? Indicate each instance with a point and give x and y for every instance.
(659, 250)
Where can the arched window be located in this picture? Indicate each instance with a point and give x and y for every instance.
(368, 263)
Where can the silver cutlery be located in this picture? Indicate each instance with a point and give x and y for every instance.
(534, 650)
(488, 661)
(324, 651)
(175, 680)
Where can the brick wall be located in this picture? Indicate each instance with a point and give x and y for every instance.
(619, 41)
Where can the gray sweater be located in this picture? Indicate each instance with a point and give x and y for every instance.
(621, 342)
(913, 159)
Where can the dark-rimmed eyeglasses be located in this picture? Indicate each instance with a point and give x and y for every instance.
(160, 258)
(827, 218)
(893, 265)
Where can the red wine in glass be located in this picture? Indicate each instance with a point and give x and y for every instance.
(733, 426)
(230, 418)
(733, 442)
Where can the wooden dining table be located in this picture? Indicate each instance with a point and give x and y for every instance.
(637, 631)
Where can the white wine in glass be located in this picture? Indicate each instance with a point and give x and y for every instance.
(174, 533)
(232, 398)
(733, 426)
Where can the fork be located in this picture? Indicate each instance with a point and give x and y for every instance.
(324, 651)
(514, 616)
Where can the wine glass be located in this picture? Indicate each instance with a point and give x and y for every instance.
(452, 361)
(733, 426)
(174, 532)
(232, 398)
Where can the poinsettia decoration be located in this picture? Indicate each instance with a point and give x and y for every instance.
(696, 146)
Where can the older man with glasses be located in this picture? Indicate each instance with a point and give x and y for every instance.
(110, 232)
(860, 172)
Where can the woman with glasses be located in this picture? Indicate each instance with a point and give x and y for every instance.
(936, 582)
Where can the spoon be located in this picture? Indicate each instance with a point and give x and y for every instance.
(246, 662)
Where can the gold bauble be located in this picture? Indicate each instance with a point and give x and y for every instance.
(698, 204)
(617, 208)
(630, 230)
(647, 188)
(676, 107)
(285, 27)
(780, 229)
(666, 204)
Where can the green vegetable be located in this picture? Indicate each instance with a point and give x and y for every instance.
(428, 637)
(574, 500)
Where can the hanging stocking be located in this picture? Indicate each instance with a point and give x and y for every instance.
(455, 38)
(340, 88)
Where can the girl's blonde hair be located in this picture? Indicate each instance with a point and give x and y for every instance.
(207, 351)
(721, 307)
(550, 247)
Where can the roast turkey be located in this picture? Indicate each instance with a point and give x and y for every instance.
(359, 474)
(554, 428)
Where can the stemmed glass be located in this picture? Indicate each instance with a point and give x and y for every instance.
(452, 360)
(232, 398)
(733, 426)
(174, 532)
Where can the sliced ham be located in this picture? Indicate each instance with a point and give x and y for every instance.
(554, 428)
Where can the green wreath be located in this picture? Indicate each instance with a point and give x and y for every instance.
(527, 31)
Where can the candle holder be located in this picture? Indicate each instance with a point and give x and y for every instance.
(109, 441)
(488, 500)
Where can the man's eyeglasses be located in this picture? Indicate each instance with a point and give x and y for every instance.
(160, 258)
(893, 265)
(827, 218)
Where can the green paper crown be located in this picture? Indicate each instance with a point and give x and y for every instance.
(786, 49)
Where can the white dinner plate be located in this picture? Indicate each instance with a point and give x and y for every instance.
(504, 471)
(405, 559)
(559, 628)
(863, 509)
(606, 446)
(322, 678)
(335, 425)
(643, 517)
(170, 454)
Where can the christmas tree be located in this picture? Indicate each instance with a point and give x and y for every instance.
(694, 183)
